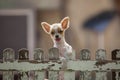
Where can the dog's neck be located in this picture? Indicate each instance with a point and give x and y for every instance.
(60, 43)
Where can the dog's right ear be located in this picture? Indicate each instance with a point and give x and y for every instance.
(46, 27)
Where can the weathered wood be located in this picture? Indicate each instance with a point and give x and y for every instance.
(71, 65)
(54, 54)
(39, 75)
(8, 75)
(36, 75)
(87, 75)
(16, 75)
(39, 54)
(85, 54)
(69, 75)
(23, 75)
(81, 76)
(117, 77)
(1, 75)
(53, 75)
(101, 55)
(101, 75)
(23, 54)
(32, 70)
(116, 56)
(8, 54)
(31, 75)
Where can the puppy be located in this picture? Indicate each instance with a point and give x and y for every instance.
(57, 33)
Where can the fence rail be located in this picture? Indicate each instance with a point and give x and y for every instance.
(71, 65)
(79, 69)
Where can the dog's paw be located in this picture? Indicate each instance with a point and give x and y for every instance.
(70, 56)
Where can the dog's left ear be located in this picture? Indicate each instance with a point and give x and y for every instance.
(65, 23)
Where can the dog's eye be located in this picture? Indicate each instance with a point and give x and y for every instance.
(60, 31)
(52, 33)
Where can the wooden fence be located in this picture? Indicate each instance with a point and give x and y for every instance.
(21, 68)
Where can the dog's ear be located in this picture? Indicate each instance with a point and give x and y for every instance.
(65, 23)
(46, 27)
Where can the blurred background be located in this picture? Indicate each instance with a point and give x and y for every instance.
(94, 24)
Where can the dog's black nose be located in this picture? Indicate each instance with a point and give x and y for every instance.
(57, 36)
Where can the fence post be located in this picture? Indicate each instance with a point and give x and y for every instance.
(39, 57)
(16, 75)
(53, 56)
(116, 56)
(23, 57)
(8, 75)
(68, 74)
(8, 55)
(39, 54)
(85, 55)
(101, 56)
(23, 75)
(53, 75)
(23, 54)
(1, 75)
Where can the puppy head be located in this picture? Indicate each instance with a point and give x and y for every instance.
(57, 30)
